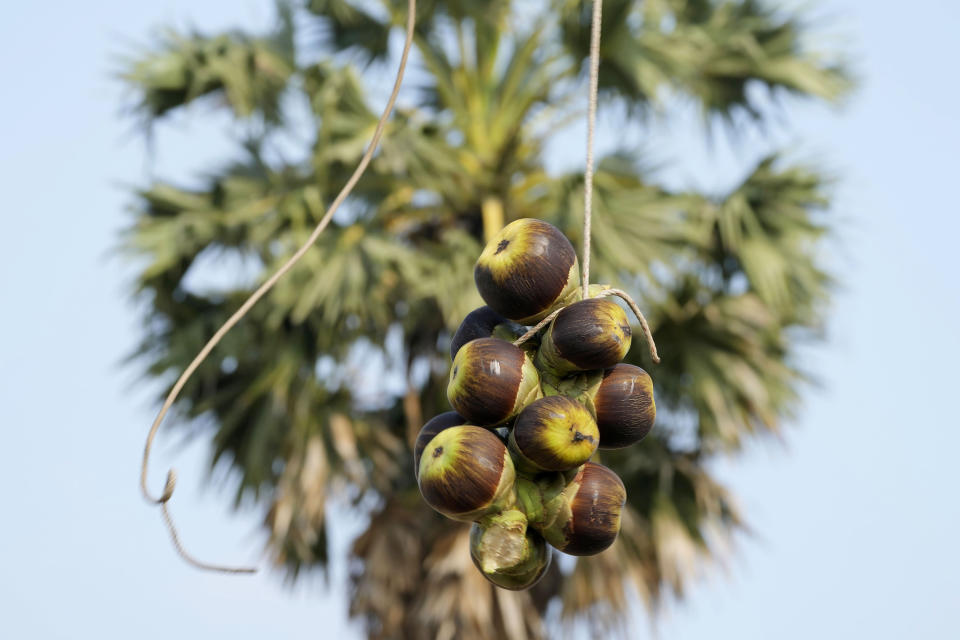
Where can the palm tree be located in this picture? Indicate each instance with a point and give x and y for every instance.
(733, 283)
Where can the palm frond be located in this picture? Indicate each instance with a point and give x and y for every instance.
(711, 51)
(249, 73)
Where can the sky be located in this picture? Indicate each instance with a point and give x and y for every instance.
(855, 514)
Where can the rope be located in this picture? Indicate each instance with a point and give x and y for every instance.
(595, 24)
(252, 300)
(591, 130)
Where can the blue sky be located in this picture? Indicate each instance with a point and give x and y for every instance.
(855, 515)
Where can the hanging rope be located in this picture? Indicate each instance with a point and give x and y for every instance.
(591, 130)
(595, 24)
(164, 498)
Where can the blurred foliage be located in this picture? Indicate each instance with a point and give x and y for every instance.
(321, 388)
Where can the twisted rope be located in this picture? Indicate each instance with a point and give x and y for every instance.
(591, 131)
(595, 24)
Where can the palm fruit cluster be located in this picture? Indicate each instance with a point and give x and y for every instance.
(514, 457)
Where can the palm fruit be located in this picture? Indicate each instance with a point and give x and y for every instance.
(491, 381)
(553, 434)
(466, 473)
(584, 518)
(434, 426)
(484, 322)
(507, 552)
(625, 406)
(527, 270)
(590, 334)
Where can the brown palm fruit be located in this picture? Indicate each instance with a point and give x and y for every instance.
(625, 406)
(434, 426)
(484, 322)
(466, 473)
(528, 269)
(584, 519)
(554, 433)
(491, 381)
(590, 334)
(507, 552)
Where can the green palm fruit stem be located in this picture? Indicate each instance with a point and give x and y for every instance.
(585, 518)
(553, 490)
(484, 322)
(581, 386)
(589, 334)
(467, 473)
(553, 433)
(540, 497)
(527, 270)
(509, 331)
(491, 381)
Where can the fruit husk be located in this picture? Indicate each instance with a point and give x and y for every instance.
(491, 381)
(624, 406)
(541, 497)
(433, 426)
(528, 269)
(589, 334)
(581, 386)
(510, 331)
(584, 518)
(507, 552)
(553, 433)
(467, 473)
(484, 322)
